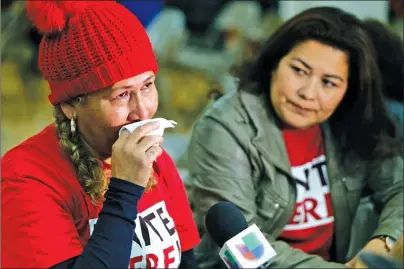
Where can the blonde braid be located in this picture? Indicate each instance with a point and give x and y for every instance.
(88, 167)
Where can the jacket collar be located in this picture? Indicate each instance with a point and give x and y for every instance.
(332, 154)
(268, 140)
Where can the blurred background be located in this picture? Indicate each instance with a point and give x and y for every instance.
(196, 42)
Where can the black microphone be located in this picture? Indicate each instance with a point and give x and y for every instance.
(224, 221)
(372, 260)
(241, 246)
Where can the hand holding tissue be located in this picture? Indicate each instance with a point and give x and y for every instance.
(164, 123)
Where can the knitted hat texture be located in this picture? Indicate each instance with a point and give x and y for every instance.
(88, 45)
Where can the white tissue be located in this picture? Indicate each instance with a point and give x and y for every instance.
(160, 131)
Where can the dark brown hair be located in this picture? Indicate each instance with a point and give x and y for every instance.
(390, 58)
(360, 124)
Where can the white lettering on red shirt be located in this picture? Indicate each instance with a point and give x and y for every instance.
(311, 225)
(156, 243)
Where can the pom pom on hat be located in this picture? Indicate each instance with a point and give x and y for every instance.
(88, 45)
(51, 16)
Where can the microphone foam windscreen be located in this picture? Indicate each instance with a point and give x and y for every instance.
(223, 221)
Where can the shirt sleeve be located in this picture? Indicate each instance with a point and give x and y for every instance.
(37, 231)
(183, 217)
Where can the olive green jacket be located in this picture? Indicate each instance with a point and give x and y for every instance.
(237, 154)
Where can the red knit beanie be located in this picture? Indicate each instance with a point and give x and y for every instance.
(88, 45)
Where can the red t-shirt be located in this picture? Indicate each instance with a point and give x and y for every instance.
(48, 218)
(310, 228)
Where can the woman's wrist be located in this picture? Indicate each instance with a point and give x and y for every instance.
(387, 241)
(126, 184)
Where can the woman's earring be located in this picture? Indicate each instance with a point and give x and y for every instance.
(73, 125)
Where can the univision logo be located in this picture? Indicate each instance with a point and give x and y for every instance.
(252, 248)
